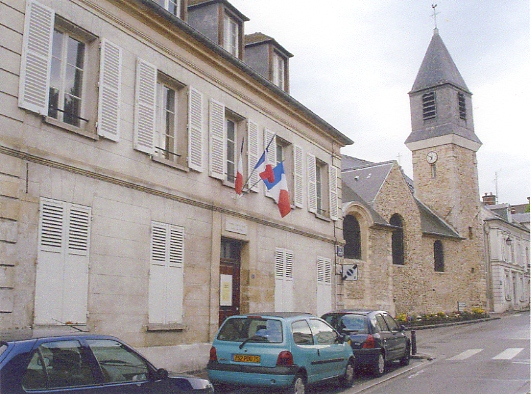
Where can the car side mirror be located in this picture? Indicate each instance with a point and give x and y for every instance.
(161, 374)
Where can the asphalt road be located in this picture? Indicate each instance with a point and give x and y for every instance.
(490, 357)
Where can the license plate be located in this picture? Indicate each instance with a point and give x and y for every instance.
(246, 358)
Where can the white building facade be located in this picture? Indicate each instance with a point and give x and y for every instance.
(121, 129)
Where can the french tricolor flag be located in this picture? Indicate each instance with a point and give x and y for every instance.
(278, 189)
(264, 170)
(238, 184)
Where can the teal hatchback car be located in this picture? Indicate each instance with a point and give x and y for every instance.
(280, 350)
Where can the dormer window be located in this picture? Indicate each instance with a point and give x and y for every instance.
(462, 105)
(429, 109)
(172, 6)
(279, 70)
(231, 35)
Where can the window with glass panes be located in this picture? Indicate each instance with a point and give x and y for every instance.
(231, 149)
(66, 78)
(231, 36)
(167, 121)
(173, 6)
(278, 70)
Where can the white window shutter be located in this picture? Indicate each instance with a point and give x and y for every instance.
(195, 130)
(175, 276)
(298, 164)
(284, 280)
(312, 183)
(253, 152)
(145, 107)
(324, 285)
(217, 140)
(52, 229)
(109, 96)
(36, 58)
(79, 230)
(334, 208)
(157, 277)
(288, 293)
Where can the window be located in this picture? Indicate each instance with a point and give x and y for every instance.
(397, 240)
(231, 149)
(231, 36)
(283, 280)
(323, 334)
(438, 256)
(66, 90)
(166, 274)
(319, 169)
(118, 363)
(66, 78)
(58, 364)
(167, 122)
(462, 105)
(322, 188)
(61, 288)
(279, 70)
(352, 236)
(391, 323)
(433, 170)
(285, 152)
(302, 335)
(172, 6)
(429, 108)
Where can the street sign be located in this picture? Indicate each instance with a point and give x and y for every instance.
(350, 272)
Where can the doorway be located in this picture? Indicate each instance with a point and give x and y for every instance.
(229, 279)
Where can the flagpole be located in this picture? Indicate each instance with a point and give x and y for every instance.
(252, 172)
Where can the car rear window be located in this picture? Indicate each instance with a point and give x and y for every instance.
(356, 323)
(251, 329)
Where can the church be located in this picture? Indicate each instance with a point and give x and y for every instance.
(417, 246)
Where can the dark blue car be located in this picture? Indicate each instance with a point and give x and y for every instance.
(82, 364)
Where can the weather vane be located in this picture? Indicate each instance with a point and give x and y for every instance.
(434, 6)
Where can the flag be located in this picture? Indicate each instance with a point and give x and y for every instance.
(265, 170)
(238, 184)
(278, 189)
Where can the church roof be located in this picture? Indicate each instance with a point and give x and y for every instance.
(362, 181)
(438, 68)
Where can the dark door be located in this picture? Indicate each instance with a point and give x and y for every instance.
(229, 279)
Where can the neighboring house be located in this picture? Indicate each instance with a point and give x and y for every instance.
(120, 131)
(418, 248)
(507, 256)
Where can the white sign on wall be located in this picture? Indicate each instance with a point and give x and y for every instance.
(350, 272)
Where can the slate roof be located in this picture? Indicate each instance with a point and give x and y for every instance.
(438, 68)
(259, 38)
(362, 181)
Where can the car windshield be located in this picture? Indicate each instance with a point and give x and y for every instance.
(251, 329)
(353, 323)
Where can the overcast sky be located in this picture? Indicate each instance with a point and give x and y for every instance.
(356, 60)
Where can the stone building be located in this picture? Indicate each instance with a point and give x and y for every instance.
(120, 133)
(418, 246)
(506, 256)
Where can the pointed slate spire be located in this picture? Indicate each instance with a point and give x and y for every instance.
(438, 68)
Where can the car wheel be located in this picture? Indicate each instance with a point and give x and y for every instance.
(298, 386)
(347, 380)
(379, 367)
(406, 357)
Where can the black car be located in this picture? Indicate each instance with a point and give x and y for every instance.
(84, 364)
(376, 338)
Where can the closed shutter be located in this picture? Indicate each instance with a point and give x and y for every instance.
(36, 58)
(283, 280)
(61, 288)
(145, 107)
(324, 285)
(195, 130)
(217, 140)
(253, 152)
(334, 209)
(165, 296)
(312, 183)
(109, 99)
(298, 176)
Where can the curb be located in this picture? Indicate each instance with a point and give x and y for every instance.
(456, 323)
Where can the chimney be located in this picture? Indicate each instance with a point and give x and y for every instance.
(489, 199)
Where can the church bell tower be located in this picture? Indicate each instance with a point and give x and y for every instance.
(443, 142)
